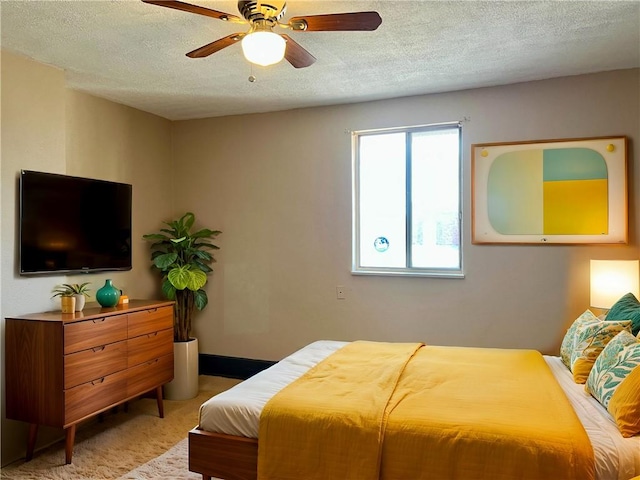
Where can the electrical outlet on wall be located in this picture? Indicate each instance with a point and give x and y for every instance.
(340, 292)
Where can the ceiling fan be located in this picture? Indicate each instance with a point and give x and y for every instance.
(261, 45)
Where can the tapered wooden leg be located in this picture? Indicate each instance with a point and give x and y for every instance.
(159, 400)
(68, 444)
(205, 477)
(31, 440)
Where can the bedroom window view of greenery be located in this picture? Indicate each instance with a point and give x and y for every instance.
(406, 202)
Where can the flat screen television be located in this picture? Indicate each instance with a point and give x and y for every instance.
(72, 224)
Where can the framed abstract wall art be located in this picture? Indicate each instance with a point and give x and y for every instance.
(567, 191)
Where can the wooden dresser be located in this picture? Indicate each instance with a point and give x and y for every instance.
(64, 368)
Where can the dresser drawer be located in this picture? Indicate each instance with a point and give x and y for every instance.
(97, 362)
(150, 346)
(150, 375)
(91, 397)
(94, 333)
(149, 321)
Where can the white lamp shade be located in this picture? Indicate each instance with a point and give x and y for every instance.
(263, 47)
(611, 279)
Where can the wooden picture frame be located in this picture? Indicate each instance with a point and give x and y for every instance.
(566, 191)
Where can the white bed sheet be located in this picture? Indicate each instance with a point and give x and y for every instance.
(613, 453)
(237, 411)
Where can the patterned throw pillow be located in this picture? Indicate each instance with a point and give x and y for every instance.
(568, 341)
(615, 382)
(627, 308)
(590, 340)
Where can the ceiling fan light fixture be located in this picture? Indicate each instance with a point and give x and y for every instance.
(263, 47)
(260, 44)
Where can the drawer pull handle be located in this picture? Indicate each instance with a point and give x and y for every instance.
(154, 334)
(97, 382)
(153, 361)
(98, 320)
(153, 310)
(98, 349)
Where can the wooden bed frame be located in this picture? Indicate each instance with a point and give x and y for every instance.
(223, 456)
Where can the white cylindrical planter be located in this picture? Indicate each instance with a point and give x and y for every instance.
(185, 371)
(80, 301)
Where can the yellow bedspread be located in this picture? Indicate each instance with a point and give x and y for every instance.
(406, 412)
(495, 414)
(328, 425)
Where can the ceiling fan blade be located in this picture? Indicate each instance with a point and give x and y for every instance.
(296, 55)
(187, 7)
(356, 21)
(216, 46)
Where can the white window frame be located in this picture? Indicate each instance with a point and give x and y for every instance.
(357, 268)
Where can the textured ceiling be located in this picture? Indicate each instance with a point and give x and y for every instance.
(134, 53)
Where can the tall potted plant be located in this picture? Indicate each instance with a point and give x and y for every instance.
(183, 259)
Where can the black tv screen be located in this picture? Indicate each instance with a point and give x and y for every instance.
(72, 224)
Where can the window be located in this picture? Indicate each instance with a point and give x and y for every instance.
(406, 202)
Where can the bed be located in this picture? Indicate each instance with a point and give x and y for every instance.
(225, 442)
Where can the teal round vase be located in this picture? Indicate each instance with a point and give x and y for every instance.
(108, 295)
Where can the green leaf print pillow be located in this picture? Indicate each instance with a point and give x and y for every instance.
(590, 340)
(568, 342)
(615, 382)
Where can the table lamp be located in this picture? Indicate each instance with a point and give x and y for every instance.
(611, 279)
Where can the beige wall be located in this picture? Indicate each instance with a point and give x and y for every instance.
(112, 142)
(279, 187)
(33, 115)
(48, 128)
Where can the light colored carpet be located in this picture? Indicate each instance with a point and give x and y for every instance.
(173, 464)
(136, 442)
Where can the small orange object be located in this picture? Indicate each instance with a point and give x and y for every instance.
(123, 300)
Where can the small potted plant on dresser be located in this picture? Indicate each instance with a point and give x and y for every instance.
(78, 291)
(183, 257)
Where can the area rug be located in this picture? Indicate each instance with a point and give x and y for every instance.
(173, 464)
(125, 441)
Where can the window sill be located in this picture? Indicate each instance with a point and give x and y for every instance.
(409, 273)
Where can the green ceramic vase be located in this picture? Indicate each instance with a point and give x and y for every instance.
(108, 295)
